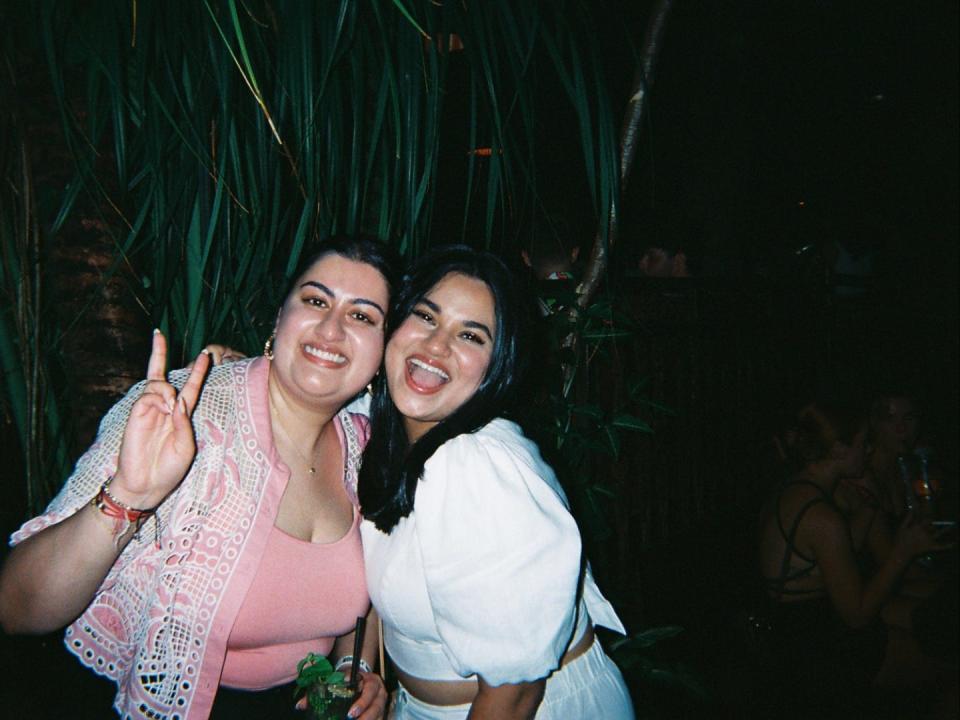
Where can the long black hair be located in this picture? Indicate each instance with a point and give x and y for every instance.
(392, 467)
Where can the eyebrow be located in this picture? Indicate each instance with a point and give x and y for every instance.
(356, 301)
(473, 324)
(480, 326)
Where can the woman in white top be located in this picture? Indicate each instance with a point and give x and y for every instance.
(473, 559)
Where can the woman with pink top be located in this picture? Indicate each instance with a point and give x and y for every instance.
(209, 539)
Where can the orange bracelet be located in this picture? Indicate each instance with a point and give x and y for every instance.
(111, 507)
(125, 515)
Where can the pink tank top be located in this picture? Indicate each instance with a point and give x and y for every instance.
(303, 596)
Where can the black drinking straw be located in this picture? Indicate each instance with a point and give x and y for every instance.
(357, 647)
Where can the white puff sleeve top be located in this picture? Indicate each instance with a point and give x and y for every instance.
(481, 578)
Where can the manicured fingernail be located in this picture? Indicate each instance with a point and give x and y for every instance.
(205, 352)
(156, 331)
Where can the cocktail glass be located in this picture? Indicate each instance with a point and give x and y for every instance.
(330, 701)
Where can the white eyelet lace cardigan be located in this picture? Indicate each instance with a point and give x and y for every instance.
(159, 623)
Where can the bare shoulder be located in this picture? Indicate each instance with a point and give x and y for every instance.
(825, 525)
(797, 494)
(813, 509)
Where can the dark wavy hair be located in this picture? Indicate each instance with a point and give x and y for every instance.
(365, 249)
(392, 467)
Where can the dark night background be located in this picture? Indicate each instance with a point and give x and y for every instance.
(775, 130)
(778, 130)
(849, 107)
(778, 126)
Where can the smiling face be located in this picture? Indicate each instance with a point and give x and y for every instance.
(437, 358)
(329, 335)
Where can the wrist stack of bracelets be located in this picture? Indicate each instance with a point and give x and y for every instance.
(123, 515)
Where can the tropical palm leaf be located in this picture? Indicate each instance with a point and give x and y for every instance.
(214, 142)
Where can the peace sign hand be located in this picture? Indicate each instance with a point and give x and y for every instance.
(158, 443)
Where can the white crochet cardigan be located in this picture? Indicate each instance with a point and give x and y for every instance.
(159, 623)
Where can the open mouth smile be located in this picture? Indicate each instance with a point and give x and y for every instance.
(425, 377)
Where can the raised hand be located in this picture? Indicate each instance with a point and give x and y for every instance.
(158, 442)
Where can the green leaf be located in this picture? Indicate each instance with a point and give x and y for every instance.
(658, 406)
(603, 490)
(593, 411)
(605, 334)
(406, 13)
(648, 638)
(335, 678)
(613, 440)
(626, 421)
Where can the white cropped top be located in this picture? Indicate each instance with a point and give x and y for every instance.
(482, 577)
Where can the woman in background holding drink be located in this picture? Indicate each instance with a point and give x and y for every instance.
(826, 614)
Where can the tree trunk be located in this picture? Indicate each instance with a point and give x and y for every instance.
(642, 82)
(599, 254)
(92, 324)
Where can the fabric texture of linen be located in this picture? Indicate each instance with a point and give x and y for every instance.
(159, 623)
(482, 577)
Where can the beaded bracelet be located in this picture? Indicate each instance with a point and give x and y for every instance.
(122, 514)
(348, 660)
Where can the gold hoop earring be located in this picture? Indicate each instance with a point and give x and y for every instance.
(268, 346)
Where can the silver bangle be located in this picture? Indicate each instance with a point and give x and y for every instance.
(348, 660)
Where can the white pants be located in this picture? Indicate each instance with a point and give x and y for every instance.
(589, 688)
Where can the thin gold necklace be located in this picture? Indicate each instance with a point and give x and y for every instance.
(311, 468)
